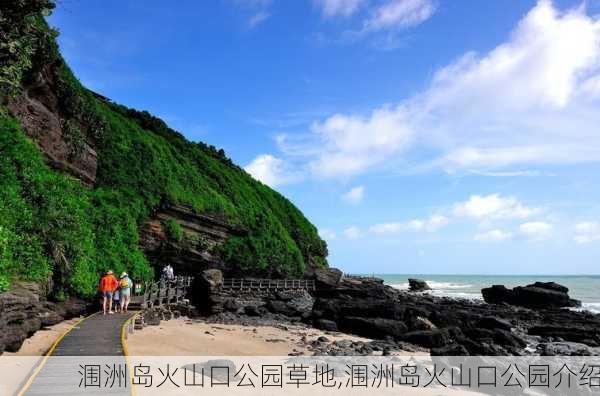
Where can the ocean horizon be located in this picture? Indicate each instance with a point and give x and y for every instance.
(582, 287)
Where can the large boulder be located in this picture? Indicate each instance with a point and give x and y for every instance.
(301, 303)
(327, 277)
(417, 285)
(542, 297)
(497, 294)
(536, 295)
(213, 278)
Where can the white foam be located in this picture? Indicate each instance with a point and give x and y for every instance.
(435, 285)
(468, 296)
(592, 307)
(447, 285)
(447, 289)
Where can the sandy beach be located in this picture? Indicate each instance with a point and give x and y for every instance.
(185, 337)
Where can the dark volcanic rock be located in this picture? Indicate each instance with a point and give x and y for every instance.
(367, 307)
(449, 350)
(497, 294)
(152, 317)
(536, 295)
(327, 277)
(327, 325)
(541, 297)
(550, 286)
(417, 285)
(430, 338)
(454, 326)
(300, 302)
(281, 307)
(491, 322)
(254, 310)
(565, 349)
(508, 339)
(374, 327)
(24, 310)
(212, 277)
(583, 333)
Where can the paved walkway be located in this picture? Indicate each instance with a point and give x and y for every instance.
(97, 335)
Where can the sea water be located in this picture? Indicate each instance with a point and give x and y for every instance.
(581, 287)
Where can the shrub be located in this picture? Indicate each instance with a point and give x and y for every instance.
(173, 230)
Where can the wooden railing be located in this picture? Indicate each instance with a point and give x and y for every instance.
(165, 291)
(268, 284)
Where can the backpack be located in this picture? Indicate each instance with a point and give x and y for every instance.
(124, 283)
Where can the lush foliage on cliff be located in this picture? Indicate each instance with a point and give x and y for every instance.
(150, 163)
(50, 225)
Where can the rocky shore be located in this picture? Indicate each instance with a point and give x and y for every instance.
(520, 325)
(532, 319)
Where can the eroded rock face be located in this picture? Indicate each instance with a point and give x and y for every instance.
(211, 299)
(66, 143)
(24, 310)
(536, 295)
(197, 249)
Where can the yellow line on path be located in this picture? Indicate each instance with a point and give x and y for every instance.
(49, 353)
(126, 350)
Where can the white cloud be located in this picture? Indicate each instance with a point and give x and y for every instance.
(353, 233)
(431, 224)
(586, 232)
(335, 8)
(396, 14)
(327, 234)
(355, 195)
(532, 100)
(493, 236)
(351, 144)
(270, 170)
(258, 18)
(516, 173)
(492, 207)
(536, 229)
(257, 11)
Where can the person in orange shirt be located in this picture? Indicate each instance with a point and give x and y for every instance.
(108, 285)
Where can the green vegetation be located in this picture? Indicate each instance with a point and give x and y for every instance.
(173, 230)
(51, 226)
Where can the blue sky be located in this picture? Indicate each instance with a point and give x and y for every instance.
(425, 136)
